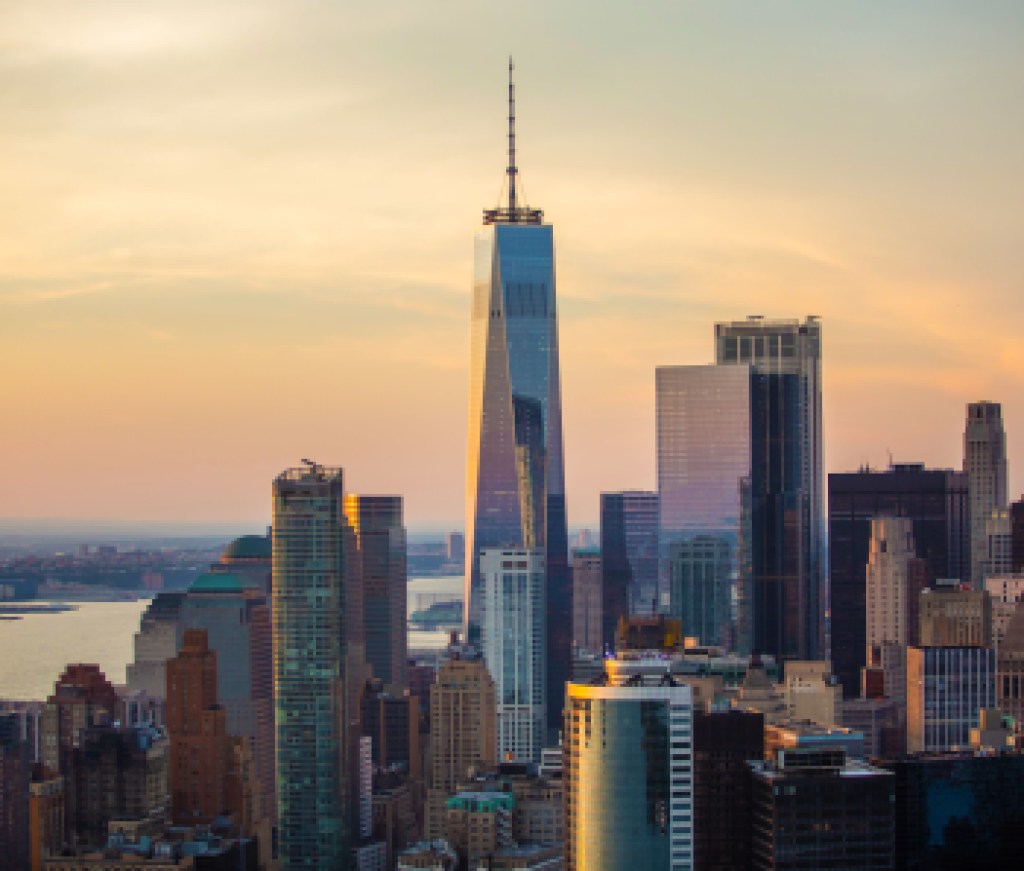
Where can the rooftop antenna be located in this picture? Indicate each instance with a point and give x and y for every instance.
(511, 169)
(513, 213)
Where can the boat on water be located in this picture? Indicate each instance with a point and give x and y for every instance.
(440, 615)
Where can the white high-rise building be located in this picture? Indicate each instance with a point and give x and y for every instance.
(627, 769)
(985, 465)
(512, 639)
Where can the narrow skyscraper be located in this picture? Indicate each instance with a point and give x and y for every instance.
(512, 640)
(380, 541)
(629, 551)
(310, 540)
(985, 465)
(515, 490)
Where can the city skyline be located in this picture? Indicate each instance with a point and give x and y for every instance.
(223, 216)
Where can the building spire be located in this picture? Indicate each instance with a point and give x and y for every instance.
(513, 213)
(511, 169)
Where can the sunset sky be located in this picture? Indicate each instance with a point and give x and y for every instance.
(235, 234)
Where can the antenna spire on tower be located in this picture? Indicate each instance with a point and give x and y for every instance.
(511, 168)
(513, 213)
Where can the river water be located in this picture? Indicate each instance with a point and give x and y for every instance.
(35, 649)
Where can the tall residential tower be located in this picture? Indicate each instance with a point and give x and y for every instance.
(515, 488)
(310, 544)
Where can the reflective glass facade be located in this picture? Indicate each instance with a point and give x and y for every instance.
(515, 481)
(946, 689)
(704, 466)
(380, 543)
(309, 553)
(627, 776)
(700, 572)
(629, 551)
(784, 605)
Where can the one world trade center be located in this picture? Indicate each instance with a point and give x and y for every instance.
(515, 482)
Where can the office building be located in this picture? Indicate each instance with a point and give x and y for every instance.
(895, 577)
(198, 734)
(155, 643)
(46, 819)
(955, 616)
(946, 689)
(14, 795)
(985, 467)
(512, 643)
(1004, 592)
(700, 587)
(935, 501)
(704, 455)
(380, 542)
(587, 600)
(463, 730)
(479, 824)
(785, 604)
(234, 612)
(1017, 536)
(392, 724)
(813, 693)
(515, 477)
(723, 742)
(958, 810)
(629, 548)
(627, 769)
(310, 539)
(116, 773)
(813, 808)
(82, 696)
(881, 721)
(250, 559)
(998, 555)
(1010, 669)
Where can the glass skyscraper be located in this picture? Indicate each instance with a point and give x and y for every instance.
(784, 603)
(515, 481)
(380, 541)
(704, 463)
(629, 553)
(627, 769)
(310, 540)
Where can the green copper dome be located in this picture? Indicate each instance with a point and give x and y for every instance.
(248, 547)
(216, 582)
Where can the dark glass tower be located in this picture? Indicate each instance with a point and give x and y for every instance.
(935, 500)
(380, 543)
(784, 606)
(629, 553)
(515, 486)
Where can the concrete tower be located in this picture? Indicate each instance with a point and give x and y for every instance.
(985, 465)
